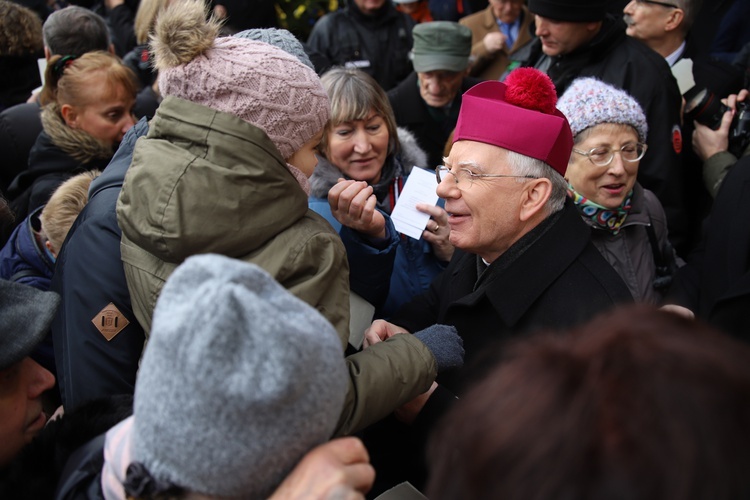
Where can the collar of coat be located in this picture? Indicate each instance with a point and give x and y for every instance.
(76, 143)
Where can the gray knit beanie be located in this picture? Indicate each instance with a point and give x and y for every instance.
(280, 38)
(589, 102)
(239, 380)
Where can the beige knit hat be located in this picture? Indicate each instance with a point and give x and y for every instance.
(257, 82)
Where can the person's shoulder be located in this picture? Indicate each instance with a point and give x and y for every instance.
(475, 20)
(642, 54)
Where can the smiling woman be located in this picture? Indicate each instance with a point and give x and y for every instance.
(627, 222)
(364, 165)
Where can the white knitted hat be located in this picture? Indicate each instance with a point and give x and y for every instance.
(588, 102)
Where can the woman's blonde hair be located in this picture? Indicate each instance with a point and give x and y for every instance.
(67, 79)
(63, 207)
(354, 95)
(145, 18)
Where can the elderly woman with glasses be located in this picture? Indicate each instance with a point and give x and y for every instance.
(627, 222)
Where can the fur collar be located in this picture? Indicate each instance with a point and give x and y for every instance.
(77, 144)
(326, 175)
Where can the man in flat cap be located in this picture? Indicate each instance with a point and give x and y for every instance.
(583, 38)
(427, 102)
(25, 316)
(523, 259)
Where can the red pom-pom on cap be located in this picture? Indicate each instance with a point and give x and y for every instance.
(530, 88)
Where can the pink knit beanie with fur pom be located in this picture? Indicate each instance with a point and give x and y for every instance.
(257, 82)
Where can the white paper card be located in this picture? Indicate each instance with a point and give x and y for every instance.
(419, 188)
(683, 73)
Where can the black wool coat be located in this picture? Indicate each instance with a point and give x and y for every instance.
(561, 280)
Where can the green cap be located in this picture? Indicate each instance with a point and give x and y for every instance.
(441, 45)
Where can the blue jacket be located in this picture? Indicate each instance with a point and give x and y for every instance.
(388, 273)
(410, 264)
(89, 277)
(23, 260)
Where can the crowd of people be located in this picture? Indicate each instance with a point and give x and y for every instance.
(198, 215)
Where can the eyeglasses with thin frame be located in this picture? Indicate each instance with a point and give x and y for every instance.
(663, 4)
(603, 155)
(466, 176)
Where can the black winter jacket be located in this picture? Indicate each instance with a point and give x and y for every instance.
(20, 126)
(88, 277)
(59, 153)
(378, 45)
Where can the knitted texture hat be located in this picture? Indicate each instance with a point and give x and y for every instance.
(280, 38)
(518, 115)
(238, 381)
(259, 83)
(25, 316)
(589, 102)
(570, 10)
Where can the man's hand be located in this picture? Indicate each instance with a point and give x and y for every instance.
(353, 205)
(379, 331)
(437, 233)
(339, 469)
(706, 141)
(494, 42)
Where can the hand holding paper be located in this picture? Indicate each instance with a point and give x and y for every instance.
(419, 188)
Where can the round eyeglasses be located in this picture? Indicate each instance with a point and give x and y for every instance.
(603, 155)
(466, 177)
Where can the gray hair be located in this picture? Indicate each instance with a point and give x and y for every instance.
(74, 31)
(690, 8)
(353, 95)
(526, 166)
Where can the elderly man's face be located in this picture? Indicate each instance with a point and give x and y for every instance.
(646, 21)
(438, 88)
(506, 11)
(563, 37)
(484, 215)
(21, 416)
(369, 7)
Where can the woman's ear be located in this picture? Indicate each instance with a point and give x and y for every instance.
(69, 115)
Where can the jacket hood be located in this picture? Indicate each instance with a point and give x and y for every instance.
(77, 144)
(326, 174)
(205, 181)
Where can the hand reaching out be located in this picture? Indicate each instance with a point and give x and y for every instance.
(353, 205)
(339, 469)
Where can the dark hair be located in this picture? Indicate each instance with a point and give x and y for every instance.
(20, 30)
(638, 404)
(74, 31)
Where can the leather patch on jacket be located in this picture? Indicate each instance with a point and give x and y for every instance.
(110, 321)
